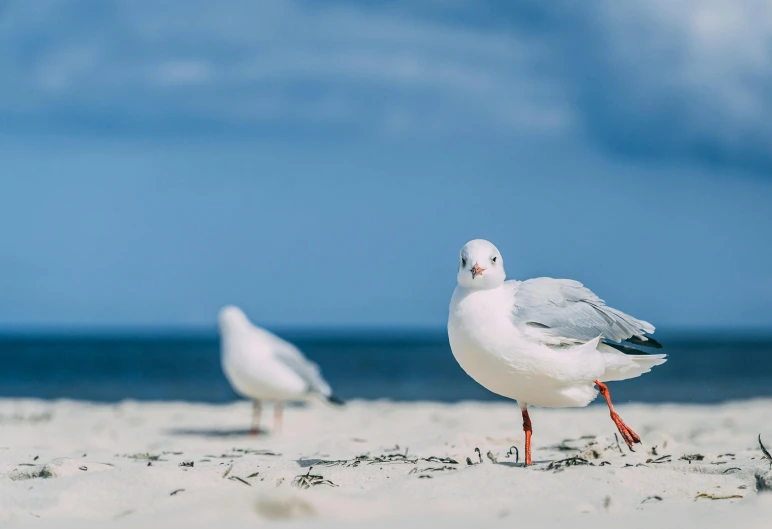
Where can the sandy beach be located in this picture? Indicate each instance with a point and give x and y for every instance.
(74, 464)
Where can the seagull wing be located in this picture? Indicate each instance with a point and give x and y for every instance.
(563, 312)
(291, 357)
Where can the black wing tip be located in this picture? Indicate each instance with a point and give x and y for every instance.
(647, 342)
(626, 349)
(332, 399)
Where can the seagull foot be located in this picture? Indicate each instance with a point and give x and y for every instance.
(628, 434)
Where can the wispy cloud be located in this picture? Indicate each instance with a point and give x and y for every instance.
(254, 62)
(657, 79)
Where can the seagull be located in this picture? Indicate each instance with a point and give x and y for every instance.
(542, 342)
(261, 366)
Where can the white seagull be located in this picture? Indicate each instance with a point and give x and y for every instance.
(261, 366)
(542, 342)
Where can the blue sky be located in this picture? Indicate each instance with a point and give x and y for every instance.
(322, 166)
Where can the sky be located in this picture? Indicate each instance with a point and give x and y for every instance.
(321, 165)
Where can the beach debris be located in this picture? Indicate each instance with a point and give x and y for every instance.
(35, 458)
(236, 478)
(431, 469)
(652, 499)
(767, 455)
(616, 438)
(425, 476)
(144, 456)
(710, 496)
(479, 454)
(227, 471)
(169, 453)
(384, 459)
(653, 451)
(469, 461)
(726, 455)
(84, 468)
(731, 470)
(604, 463)
(186, 464)
(253, 475)
(251, 451)
(517, 453)
(175, 492)
(492, 457)
(308, 480)
(660, 459)
(691, 457)
(568, 462)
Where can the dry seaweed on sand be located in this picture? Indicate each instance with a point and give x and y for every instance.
(717, 496)
(144, 456)
(253, 452)
(492, 457)
(386, 459)
(568, 462)
(308, 480)
(431, 469)
(691, 457)
(242, 480)
(517, 454)
(660, 459)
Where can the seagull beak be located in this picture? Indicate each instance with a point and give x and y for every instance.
(477, 271)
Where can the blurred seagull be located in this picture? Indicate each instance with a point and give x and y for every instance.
(542, 342)
(261, 366)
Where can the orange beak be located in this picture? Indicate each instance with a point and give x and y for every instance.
(477, 271)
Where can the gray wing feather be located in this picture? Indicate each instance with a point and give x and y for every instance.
(290, 356)
(570, 312)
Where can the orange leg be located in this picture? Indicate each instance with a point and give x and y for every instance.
(628, 434)
(255, 418)
(528, 431)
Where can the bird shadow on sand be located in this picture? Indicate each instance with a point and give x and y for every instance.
(217, 432)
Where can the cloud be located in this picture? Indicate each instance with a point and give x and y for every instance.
(675, 80)
(251, 64)
(656, 80)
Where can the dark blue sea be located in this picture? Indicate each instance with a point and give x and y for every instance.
(412, 366)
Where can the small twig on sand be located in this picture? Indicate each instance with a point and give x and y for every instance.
(767, 455)
(616, 437)
(227, 471)
(479, 454)
(236, 478)
(174, 492)
(717, 497)
(308, 480)
(517, 453)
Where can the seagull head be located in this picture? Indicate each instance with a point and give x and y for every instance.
(480, 266)
(231, 317)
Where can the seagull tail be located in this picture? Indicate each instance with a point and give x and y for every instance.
(332, 399)
(620, 366)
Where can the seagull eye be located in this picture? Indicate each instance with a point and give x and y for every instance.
(493, 258)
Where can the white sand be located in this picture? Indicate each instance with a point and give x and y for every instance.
(67, 464)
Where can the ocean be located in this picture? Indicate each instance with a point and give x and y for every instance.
(406, 367)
